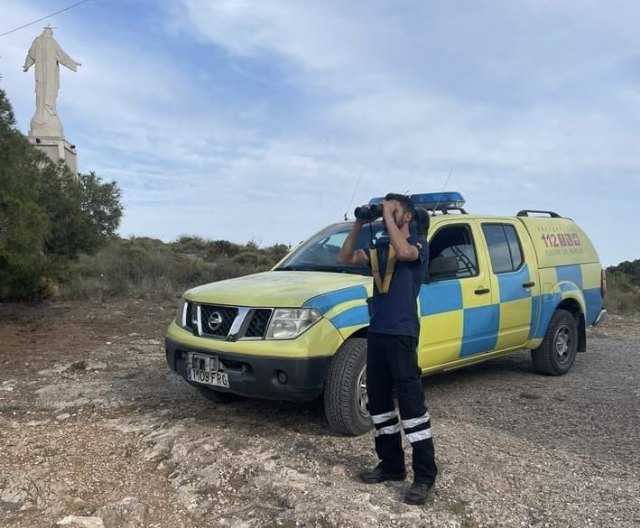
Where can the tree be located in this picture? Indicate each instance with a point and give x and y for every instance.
(23, 224)
(48, 216)
(84, 211)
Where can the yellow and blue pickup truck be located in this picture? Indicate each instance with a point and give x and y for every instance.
(494, 285)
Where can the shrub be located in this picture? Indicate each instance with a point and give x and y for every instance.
(622, 296)
(144, 267)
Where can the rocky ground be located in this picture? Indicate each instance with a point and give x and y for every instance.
(95, 431)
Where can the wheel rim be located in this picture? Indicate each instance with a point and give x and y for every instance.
(563, 344)
(363, 399)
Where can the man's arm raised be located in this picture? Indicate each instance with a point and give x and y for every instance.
(348, 254)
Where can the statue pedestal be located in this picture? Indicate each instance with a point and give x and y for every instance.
(57, 148)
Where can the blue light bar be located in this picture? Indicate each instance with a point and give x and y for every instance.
(440, 201)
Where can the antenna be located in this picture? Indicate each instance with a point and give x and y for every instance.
(353, 196)
(444, 187)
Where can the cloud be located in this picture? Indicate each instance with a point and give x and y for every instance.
(238, 119)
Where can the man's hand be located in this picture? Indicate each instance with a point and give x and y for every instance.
(396, 223)
(389, 208)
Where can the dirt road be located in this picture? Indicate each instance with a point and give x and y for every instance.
(96, 432)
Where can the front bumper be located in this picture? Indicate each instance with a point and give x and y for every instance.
(257, 376)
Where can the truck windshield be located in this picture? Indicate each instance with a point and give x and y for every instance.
(320, 252)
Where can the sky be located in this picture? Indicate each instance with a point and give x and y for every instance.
(266, 120)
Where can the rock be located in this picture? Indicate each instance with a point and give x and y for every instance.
(13, 496)
(77, 521)
(128, 513)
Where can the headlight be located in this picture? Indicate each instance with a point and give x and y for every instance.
(287, 323)
(181, 313)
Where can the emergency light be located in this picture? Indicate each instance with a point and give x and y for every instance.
(439, 201)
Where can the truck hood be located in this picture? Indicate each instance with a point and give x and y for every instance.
(273, 289)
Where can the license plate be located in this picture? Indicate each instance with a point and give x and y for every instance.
(205, 369)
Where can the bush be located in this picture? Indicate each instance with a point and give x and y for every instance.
(623, 296)
(144, 267)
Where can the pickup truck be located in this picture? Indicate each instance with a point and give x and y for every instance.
(494, 285)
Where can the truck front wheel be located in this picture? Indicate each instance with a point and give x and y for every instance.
(557, 353)
(345, 392)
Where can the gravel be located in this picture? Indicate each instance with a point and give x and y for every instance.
(96, 431)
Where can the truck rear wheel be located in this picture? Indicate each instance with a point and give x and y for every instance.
(557, 353)
(345, 392)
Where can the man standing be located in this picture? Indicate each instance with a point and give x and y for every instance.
(392, 347)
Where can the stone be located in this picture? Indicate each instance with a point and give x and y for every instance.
(79, 521)
(127, 513)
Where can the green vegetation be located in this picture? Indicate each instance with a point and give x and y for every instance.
(145, 267)
(623, 287)
(48, 216)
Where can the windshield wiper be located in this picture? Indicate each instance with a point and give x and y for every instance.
(357, 270)
(290, 268)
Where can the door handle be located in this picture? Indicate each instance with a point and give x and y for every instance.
(482, 291)
(528, 284)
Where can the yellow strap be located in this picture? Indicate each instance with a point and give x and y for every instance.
(383, 285)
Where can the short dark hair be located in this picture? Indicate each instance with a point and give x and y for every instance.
(405, 201)
(423, 220)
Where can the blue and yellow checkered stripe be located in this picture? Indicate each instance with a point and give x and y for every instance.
(452, 306)
(514, 317)
(346, 309)
(461, 322)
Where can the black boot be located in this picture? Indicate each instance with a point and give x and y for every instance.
(417, 493)
(377, 475)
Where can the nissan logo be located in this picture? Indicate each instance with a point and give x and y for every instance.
(214, 321)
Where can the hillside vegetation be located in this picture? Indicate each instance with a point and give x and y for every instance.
(623, 287)
(145, 267)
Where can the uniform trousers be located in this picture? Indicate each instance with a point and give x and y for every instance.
(392, 362)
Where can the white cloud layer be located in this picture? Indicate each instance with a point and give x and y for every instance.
(253, 120)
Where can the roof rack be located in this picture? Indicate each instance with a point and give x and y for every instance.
(526, 212)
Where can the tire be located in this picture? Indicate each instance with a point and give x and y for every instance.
(345, 392)
(557, 353)
(217, 396)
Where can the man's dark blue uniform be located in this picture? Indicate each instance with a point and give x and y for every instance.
(392, 342)
(392, 362)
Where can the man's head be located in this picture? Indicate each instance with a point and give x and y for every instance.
(404, 201)
(405, 211)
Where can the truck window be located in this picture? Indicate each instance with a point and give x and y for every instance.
(320, 252)
(452, 254)
(504, 247)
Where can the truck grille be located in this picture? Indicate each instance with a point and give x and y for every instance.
(227, 322)
(258, 323)
(217, 320)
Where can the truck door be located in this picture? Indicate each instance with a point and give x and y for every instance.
(458, 315)
(513, 264)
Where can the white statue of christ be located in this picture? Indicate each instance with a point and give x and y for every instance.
(47, 54)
